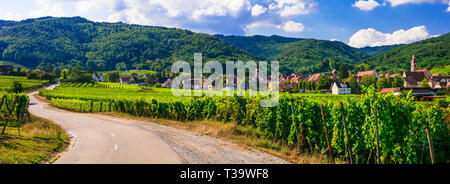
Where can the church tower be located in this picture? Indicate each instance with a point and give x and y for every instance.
(413, 64)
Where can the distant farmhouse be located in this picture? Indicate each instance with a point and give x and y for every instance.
(341, 88)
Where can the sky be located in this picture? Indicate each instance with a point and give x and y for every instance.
(358, 23)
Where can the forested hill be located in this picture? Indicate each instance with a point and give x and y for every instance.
(266, 47)
(69, 41)
(373, 51)
(432, 54)
(296, 54)
(312, 56)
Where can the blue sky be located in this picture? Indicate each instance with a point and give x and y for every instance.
(358, 23)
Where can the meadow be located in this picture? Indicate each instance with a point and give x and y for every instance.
(370, 128)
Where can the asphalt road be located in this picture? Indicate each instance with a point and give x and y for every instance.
(101, 139)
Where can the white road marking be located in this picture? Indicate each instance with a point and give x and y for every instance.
(115, 147)
(112, 134)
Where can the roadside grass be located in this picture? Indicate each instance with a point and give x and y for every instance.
(39, 141)
(245, 136)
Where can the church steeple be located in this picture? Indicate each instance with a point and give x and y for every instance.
(413, 64)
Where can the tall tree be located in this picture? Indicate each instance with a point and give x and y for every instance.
(323, 83)
(343, 71)
(368, 80)
(383, 83)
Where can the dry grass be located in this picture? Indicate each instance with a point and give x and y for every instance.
(243, 136)
(38, 142)
(40, 98)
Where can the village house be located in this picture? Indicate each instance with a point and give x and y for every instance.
(396, 91)
(341, 88)
(333, 75)
(414, 78)
(124, 80)
(359, 75)
(97, 78)
(314, 77)
(167, 83)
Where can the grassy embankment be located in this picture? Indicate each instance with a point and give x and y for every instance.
(39, 141)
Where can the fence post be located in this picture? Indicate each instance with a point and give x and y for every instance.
(430, 141)
(92, 104)
(109, 106)
(309, 138)
(81, 108)
(347, 146)
(101, 106)
(326, 133)
(298, 129)
(378, 140)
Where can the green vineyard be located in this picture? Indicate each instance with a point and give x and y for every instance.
(13, 108)
(6, 82)
(372, 128)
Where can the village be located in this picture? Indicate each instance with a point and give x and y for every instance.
(422, 84)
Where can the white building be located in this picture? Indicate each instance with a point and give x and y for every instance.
(341, 88)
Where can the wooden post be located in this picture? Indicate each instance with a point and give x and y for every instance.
(1, 103)
(326, 133)
(101, 105)
(109, 106)
(348, 147)
(4, 127)
(430, 141)
(92, 104)
(378, 139)
(81, 108)
(298, 128)
(309, 138)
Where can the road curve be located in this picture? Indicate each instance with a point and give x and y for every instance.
(101, 139)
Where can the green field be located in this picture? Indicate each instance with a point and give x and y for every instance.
(6, 82)
(297, 120)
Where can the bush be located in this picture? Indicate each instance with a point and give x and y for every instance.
(17, 87)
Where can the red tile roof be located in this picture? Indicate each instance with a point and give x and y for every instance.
(370, 72)
(388, 90)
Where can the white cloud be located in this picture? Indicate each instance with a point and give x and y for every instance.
(400, 2)
(372, 37)
(294, 7)
(366, 5)
(258, 10)
(334, 39)
(206, 16)
(448, 8)
(291, 26)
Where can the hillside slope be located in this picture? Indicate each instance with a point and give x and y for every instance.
(70, 41)
(266, 47)
(373, 51)
(312, 56)
(432, 54)
(297, 54)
